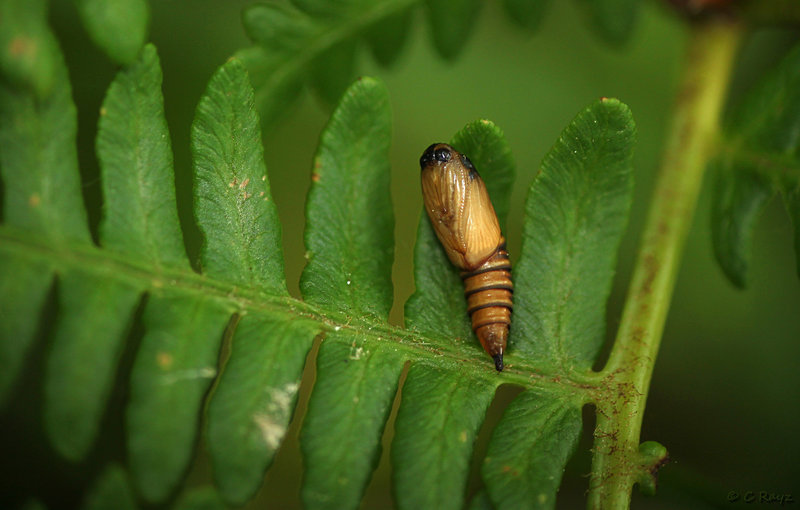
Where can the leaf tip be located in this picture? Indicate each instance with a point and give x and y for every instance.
(736, 273)
(613, 102)
(236, 63)
(617, 110)
(368, 83)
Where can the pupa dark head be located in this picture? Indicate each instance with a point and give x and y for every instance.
(441, 153)
(436, 153)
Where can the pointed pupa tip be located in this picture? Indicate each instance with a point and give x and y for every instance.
(498, 361)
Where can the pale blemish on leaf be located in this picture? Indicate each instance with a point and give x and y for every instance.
(282, 398)
(272, 422)
(34, 200)
(356, 353)
(271, 432)
(189, 374)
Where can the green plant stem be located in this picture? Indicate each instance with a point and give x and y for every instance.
(617, 464)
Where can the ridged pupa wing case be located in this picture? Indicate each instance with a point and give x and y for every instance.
(464, 220)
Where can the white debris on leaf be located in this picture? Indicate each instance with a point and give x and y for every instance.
(273, 421)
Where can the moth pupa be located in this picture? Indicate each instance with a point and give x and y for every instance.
(464, 220)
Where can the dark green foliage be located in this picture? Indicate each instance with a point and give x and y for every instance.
(254, 400)
(739, 197)
(201, 498)
(387, 37)
(33, 504)
(526, 13)
(238, 308)
(95, 311)
(119, 27)
(334, 70)
(792, 200)
(352, 397)
(316, 42)
(481, 501)
(349, 246)
(111, 489)
(30, 59)
(233, 206)
(759, 156)
(38, 163)
(140, 217)
(436, 427)
(139, 221)
(575, 214)
(39, 168)
(175, 366)
(529, 449)
(23, 289)
(452, 23)
(613, 19)
(349, 233)
(222, 350)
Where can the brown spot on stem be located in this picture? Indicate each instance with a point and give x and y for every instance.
(651, 267)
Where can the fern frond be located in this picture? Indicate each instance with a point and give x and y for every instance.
(576, 210)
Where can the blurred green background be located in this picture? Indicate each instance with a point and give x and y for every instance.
(725, 398)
